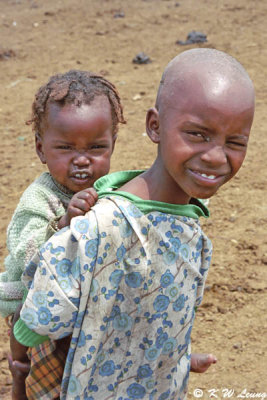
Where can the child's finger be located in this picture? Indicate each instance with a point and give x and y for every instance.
(22, 367)
(78, 207)
(89, 197)
(92, 192)
(15, 365)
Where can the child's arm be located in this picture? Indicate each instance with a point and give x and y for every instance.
(80, 204)
(19, 363)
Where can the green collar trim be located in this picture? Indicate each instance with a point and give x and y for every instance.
(107, 185)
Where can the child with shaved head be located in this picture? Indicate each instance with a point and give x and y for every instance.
(124, 280)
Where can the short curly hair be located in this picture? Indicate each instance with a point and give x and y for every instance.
(75, 87)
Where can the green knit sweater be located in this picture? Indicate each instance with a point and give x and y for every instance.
(42, 202)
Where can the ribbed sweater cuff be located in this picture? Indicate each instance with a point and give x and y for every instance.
(27, 337)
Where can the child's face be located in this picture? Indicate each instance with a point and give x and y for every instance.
(202, 134)
(77, 143)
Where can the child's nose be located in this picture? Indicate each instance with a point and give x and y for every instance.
(81, 159)
(215, 155)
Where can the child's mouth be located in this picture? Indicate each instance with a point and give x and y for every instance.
(207, 178)
(211, 177)
(82, 175)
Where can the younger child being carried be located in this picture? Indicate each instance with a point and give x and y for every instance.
(75, 119)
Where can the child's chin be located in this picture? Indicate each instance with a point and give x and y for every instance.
(79, 184)
(204, 195)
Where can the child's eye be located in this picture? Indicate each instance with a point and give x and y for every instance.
(64, 147)
(97, 146)
(199, 136)
(237, 145)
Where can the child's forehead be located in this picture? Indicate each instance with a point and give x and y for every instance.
(57, 114)
(54, 109)
(97, 101)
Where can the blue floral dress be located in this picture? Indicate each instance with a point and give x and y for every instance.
(124, 284)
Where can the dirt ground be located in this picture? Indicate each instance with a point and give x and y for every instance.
(41, 38)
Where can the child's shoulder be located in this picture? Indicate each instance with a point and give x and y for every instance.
(42, 193)
(38, 189)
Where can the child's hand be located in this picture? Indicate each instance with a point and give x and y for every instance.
(19, 373)
(201, 362)
(80, 203)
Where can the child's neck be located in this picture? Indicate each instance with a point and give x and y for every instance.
(63, 189)
(151, 185)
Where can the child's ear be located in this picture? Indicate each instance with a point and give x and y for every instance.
(152, 125)
(114, 138)
(39, 148)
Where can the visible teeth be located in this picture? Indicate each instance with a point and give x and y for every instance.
(81, 175)
(208, 176)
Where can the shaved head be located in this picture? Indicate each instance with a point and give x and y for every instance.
(213, 70)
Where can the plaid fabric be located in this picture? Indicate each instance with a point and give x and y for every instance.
(47, 366)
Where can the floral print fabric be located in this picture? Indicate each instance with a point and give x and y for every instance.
(125, 285)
